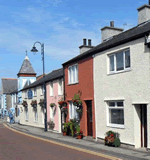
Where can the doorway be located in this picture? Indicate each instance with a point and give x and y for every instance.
(89, 118)
(143, 116)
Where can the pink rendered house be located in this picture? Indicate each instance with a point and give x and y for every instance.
(54, 93)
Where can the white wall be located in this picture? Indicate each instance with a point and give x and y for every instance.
(132, 86)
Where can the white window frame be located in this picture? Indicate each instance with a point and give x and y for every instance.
(60, 87)
(71, 78)
(51, 88)
(26, 94)
(26, 114)
(35, 91)
(42, 90)
(72, 111)
(108, 114)
(115, 62)
(35, 115)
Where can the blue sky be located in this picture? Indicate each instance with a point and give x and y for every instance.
(60, 25)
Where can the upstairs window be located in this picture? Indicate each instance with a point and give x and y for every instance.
(73, 74)
(42, 90)
(26, 94)
(119, 61)
(60, 87)
(34, 92)
(51, 89)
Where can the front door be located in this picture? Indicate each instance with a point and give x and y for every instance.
(143, 116)
(89, 118)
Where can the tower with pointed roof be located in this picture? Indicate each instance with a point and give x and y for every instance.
(26, 76)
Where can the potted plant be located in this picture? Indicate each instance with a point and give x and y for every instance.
(79, 133)
(24, 103)
(41, 103)
(65, 125)
(34, 103)
(52, 104)
(112, 139)
(51, 124)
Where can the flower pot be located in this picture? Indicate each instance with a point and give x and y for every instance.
(79, 136)
(64, 133)
(51, 126)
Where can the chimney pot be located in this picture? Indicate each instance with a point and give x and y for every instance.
(89, 42)
(84, 41)
(111, 23)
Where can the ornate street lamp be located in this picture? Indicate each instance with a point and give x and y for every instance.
(44, 86)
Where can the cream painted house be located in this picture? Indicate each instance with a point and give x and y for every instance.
(122, 82)
(30, 115)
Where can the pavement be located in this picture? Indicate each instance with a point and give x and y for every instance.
(122, 152)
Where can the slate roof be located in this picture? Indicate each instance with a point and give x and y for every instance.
(55, 74)
(9, 85)
(26, 67)
(134, 33)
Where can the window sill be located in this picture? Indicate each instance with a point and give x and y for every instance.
(60, 94)
(73, 83)
(116, 126)
(51, 95)
(117, 72)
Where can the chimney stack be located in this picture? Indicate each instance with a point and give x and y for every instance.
(109, 31)
(84, 47)
(144, 13)
(89, 42)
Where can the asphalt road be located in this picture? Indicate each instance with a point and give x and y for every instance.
(15, 146)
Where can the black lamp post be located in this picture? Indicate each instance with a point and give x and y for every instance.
(44, 86)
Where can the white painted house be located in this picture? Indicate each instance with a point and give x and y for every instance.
(122, 82)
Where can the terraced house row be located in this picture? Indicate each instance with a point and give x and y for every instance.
(111, 80)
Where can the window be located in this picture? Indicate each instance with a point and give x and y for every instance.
(23, 82)
(116, 113)
(26, 113)
(60, 87)
(72, 111)
(51, 89)
(34, 92)
(42, 90)
(119, 61)
(26, 94)
(35, 115)
(73, 74)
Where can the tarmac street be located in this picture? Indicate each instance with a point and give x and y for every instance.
(17, 146)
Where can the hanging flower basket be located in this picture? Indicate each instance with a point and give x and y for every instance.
(41, 103)
(34, 103)
(52, 104)
(24, 103)
(62, 103)
(76, 100)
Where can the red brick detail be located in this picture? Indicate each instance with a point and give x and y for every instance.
(27, 75)
(85, 85)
